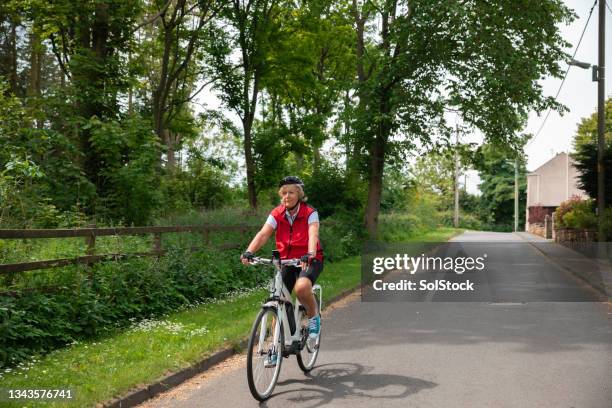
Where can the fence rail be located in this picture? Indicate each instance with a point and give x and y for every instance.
(90, 234)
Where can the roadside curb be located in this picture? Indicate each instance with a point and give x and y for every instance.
(141, 394)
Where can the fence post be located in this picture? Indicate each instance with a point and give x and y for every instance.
(206, 236)
(90, 241)
(157, 238)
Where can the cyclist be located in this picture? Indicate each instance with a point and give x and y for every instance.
(296, 225)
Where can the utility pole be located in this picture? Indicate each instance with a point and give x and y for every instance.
(601, 120)
(456, 221)
(599, 77)
(516, 195)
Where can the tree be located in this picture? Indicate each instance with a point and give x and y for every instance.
(585, 155)
(90, 40)
(496, 170)
(416, 57)
(310, 69)
(248, 27)
(174, 71)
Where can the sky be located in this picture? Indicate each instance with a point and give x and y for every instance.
(578, 94)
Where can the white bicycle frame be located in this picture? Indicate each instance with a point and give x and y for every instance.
(278, 290)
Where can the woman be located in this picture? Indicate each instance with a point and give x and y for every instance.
(297, 236)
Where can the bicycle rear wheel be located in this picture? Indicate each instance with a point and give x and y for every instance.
(262, 376)
(307, 357)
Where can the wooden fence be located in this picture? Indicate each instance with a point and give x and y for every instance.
(90, 234)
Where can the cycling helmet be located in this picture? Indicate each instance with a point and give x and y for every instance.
(291, 180)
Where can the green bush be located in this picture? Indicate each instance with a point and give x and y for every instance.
(576, 213)
(395, 227)
(331, 191)
(466, 221)
(116, 294)
(341, 236)
(201, 186)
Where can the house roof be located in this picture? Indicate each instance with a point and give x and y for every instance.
(558, 156)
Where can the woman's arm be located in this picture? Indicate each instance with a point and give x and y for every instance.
(313, 237)
(261, 238)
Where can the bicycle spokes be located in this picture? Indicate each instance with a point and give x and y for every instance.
(264, 356)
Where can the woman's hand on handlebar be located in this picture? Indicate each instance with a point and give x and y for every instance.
(247, 257)
(306, 260)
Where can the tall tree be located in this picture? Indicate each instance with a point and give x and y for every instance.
(239, 45)
(415, 57)
(310, 69)
(585, 154)
(495, 167)
(174, 38)
(10, 24)
(90, 40)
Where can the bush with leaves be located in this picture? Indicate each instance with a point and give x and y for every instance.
(537, 214)
(331, 191)
(576, 212)
(41, 320)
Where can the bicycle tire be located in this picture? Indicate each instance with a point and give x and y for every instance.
(256, 360)
(307, 357)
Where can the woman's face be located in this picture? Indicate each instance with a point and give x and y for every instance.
(289, 195)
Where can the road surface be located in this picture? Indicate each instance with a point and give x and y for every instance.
(439, 354)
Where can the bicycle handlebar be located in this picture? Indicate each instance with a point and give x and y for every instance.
(268, 261)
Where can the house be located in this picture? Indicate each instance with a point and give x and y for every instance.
(550, 184)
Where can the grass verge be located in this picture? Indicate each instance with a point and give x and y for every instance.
(99, 370)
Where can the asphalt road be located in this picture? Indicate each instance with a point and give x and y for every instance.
(442, 354)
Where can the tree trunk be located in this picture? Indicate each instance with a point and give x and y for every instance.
(169, 141)
(316, 155)
(250, 165)
(34, 87)
(377, 161)
(13, 44)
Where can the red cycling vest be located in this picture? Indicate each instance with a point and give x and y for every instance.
(292, 240)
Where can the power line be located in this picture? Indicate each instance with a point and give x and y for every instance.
(565, 75)
(608, 6)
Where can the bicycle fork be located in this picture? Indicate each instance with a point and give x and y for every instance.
(262, 334)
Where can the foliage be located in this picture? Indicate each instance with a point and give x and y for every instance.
(467, 221)
(576, 213)
(331, 192)
(341, 236)
(82, 308)
(497, 172)
(396, 227)
(203, 185)
(412, 62)
(537, 214)
(585, 156)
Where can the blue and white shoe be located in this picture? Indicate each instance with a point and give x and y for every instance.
(271, 360)
(314, 327)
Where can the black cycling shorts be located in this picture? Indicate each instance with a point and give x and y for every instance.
(291, 274)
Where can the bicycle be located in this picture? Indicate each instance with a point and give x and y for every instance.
(275, 332)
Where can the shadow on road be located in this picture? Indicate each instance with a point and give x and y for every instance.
(340, 380)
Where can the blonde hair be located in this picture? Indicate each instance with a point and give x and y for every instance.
(301, 195)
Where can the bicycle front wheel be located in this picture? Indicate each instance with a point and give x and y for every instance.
(265, 353)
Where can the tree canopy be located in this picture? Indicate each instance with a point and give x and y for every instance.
(102, 110)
